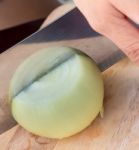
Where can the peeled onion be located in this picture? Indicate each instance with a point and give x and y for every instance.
(56, 92)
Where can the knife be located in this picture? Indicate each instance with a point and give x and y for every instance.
(8, 38)
(73, 26)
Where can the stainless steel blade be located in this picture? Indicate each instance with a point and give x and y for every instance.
(70, 30)
(74, 26)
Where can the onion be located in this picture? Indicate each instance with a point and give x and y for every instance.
(57, 92)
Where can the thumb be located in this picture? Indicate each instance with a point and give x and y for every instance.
(112, 23)
(128, 7)
(129, 36)
(126, 37)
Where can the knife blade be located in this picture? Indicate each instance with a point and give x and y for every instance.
(73, 26)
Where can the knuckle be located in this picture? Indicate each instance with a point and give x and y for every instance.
(132, 51)
(100, 24)
(99, 27)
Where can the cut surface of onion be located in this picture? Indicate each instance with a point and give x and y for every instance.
(57, 92)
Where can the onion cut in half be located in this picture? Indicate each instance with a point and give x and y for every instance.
(57, 92)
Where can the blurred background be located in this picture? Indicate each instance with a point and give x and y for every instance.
(20, 18)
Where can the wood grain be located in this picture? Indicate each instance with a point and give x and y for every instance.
(19, 139)
(118, 130)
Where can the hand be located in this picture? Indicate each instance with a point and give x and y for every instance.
(111, 18)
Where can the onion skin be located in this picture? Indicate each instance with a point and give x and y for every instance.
(58, 98)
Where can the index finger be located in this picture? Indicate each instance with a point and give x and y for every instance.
(113, 24)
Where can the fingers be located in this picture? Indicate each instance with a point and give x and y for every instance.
(107, 20)
(98, 13)
(125, 36)
(128, 7)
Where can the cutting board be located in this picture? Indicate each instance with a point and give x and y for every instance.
(117, 130)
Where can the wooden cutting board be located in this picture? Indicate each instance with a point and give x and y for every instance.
(118, 130)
